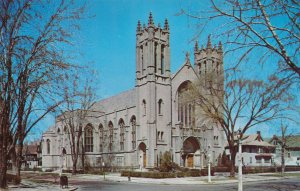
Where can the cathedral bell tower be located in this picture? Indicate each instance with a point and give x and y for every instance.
(209, 60)
(152, 52)
(153, 88)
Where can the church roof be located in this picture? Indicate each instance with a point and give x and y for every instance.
(187, 63)
(117, 102)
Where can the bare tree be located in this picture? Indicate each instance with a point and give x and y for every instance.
(32, 62)
(266, 29)
(238, 104)
(78, 107)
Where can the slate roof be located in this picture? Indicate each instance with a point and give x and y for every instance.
(117, 102)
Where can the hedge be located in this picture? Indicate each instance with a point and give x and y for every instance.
(190, 173)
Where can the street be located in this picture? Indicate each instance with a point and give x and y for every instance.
(292, 184)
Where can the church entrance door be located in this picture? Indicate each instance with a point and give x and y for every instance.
(190, 147)
(190, 161)
(142, 155)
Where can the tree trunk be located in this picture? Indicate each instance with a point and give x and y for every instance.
(282, 160)
(74, 168)
(232, 161)
(3, 151)
(3, 167)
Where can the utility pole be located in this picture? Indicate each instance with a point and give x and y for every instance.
(240, 187)
(103, 166)
(209, 176)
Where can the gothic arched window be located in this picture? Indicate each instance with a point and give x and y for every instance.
(144, 107)
(186, 108)
(133, 131)
(111, 136)
(48, 146)
(162, 62)
(160, 102)
(122, 134)
(101, 137)
(88, 139)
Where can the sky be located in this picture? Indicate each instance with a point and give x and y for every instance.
(106, 41)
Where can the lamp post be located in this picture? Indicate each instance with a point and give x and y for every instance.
(240, 187)
(208, 170)
(103, 165)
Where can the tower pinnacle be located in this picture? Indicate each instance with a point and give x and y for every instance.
(139, 28)
(220, 48)
(166, 26)
(196, 46)
(150, 20)
(208, 43)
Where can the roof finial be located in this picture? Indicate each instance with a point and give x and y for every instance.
(187, 57)
(166, 26)
(196, 46)
(139, 28)
(208, 43)
(150, 20)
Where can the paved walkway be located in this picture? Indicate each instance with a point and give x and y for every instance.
(218, 179)
(115, 177)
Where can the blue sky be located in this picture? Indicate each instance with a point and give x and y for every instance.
(106, 41)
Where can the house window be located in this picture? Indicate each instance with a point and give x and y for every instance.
(258, 160)
(160, 102)
(48, 146)
(289, 154)
(122, 134)
(88, 139)
(101, 137)
(250, 160)
(111, 136)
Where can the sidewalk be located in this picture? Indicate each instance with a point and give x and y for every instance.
(218, 179)
(32, 186)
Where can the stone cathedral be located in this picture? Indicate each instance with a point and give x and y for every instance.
(134, 128)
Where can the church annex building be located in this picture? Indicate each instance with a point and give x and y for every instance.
(136, 127)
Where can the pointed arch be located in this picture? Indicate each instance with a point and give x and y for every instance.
(101, 137)
(144, 104)
(122, 133)
(48, 146)
(88, 138)
(111, 135)
(133, 131)
(160, 103)
(185, 108)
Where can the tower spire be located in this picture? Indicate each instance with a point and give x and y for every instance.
(166, 26)
(208, 43)
(150, 20)
(220, 47)
(139, 28)
(196, 46)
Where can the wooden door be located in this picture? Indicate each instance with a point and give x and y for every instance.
(190, 161)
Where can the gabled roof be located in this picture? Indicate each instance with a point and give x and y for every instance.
(255, 140)
(291, 141)
(187, 63)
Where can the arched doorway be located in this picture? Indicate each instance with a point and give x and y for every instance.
(190, 147)
(142, 155)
